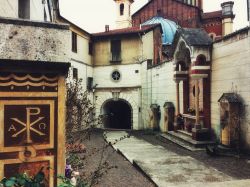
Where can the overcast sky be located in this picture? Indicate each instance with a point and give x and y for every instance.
(93, 15)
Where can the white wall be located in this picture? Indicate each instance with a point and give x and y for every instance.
(9, 8)
(82, 54)
(231, 73)
(129, 87)
(102, 76)
(37, 10)
(158, 87)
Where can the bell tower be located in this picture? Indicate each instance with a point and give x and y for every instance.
(123, 13)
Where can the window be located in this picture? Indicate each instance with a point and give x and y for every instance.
(115, 51)
(24, 9)
(116, 75)
(121, 9)
(75, 73)
(90, 48)
(45, 15)
(74, 42)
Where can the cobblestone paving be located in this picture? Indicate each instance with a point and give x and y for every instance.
(123, 175)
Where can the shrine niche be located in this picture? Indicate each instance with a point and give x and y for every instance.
(154, 116)
(169, 111)
(230, 104)
(31, 127)
(192, 68)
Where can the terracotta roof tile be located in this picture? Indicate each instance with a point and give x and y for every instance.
(215, 14)
(129, 30)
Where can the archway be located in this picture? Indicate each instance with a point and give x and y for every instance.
(117, 114)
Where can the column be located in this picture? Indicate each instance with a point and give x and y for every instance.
(197, 112)
(177, 97)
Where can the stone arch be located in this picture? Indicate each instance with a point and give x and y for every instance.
(118, 114)
(101, 100)
(182, 54)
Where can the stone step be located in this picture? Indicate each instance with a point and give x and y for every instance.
(188, 134)
(184, 141)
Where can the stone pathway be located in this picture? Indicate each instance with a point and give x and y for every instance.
(168, 169)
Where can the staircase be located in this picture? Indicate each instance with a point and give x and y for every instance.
(184, 139)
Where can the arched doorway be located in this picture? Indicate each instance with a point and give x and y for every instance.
(117, 114)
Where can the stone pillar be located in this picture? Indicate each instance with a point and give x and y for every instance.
(154, 117)
(177, 97)
(197, 112)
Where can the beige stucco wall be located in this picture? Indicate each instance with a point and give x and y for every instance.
(130, 50)
(231, 73)
(148, 45)
(44, 42)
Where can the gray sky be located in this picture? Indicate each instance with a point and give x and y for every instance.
(93, 15)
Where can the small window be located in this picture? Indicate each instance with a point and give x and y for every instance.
(115, 51)
(75, 73)
(121, 9)
(116, 75)
(74, 42)
(24, 9)
(90, 48)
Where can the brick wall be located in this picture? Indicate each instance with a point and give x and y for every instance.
(183, 14)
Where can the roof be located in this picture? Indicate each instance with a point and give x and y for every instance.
(230, 97)
(126, 31)
(211, 15)
(241, 31)
(195, 37)
(168, 27)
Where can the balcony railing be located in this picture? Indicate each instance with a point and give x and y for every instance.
(115, 58)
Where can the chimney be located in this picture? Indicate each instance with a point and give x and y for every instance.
(106, 28)
(227, 17)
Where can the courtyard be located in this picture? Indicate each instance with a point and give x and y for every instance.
(141, 159)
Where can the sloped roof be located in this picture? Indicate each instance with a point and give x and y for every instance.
(230, 97)
(195, 37)
(125, 31)
(211, 15)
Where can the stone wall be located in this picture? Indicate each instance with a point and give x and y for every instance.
(34, 41)
(230, 73)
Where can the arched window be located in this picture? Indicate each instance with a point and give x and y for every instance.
(180, 66)
(201, 60)
(212, 36)
(121, 9)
